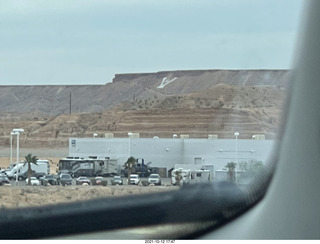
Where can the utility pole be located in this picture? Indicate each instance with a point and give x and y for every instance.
(70, 105)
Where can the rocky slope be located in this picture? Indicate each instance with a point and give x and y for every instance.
(197, 103)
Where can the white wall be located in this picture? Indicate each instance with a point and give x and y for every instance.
(166, 152)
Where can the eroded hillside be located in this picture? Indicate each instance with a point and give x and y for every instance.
(196, 103)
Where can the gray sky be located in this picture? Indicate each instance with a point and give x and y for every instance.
(87, 42)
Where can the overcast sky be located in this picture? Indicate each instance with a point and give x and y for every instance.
(62, 42)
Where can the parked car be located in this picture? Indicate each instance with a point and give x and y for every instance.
(83, 180)
(65, 179)
(134, 179)
(48, 180)
(154, 179)
(4, 180)
(98, 180)
(117, 180)
(34, 181)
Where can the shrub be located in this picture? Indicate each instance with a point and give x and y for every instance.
(144, 182)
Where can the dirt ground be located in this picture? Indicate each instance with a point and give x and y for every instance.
(31, 196)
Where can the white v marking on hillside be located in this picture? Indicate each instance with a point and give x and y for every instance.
(165, 82)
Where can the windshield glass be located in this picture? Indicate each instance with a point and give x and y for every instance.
(189, 93)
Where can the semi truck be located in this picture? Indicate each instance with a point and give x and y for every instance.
(89, 167)
(141, 169)
(20, 170)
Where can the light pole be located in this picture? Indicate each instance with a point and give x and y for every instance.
(236, 134)
(17, 132)
(11, 134)
(129, 135)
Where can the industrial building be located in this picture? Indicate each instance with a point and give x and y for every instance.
(168, 153)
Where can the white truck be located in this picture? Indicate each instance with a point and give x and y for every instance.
(199, 176)
(134, 179)
(186, 176)
(40, 169)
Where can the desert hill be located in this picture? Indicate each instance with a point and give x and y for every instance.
(197, 103)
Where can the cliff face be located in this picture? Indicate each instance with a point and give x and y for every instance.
(211, 77)
(197, 103)
(55, 100)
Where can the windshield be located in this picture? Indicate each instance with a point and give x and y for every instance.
(65, 177)
(191, 93)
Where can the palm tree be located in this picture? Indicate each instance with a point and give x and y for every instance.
(129, 165)
(29, 159)
(178, 177)
(231, 168)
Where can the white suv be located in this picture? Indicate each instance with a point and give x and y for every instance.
(154, 179)
(134, 179)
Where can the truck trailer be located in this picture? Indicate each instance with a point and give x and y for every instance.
(20, 170)
(182, 176)
(89, 167)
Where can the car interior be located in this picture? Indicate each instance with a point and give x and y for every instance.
(281, 203)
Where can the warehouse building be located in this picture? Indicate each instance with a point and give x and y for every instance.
(166, 153)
